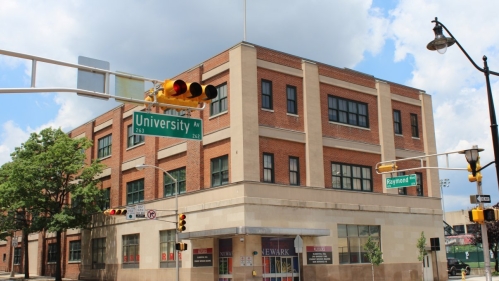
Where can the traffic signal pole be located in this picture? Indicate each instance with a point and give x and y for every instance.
(485, 239)
(176, 228)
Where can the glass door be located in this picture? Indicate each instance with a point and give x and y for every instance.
(280, 268)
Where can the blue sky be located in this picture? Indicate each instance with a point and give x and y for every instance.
(159, 39)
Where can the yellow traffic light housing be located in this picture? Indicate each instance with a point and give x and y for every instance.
(387, 168)
(475, 175)
(115, 212)
(181, 222)
(477, 215)
(181, 246)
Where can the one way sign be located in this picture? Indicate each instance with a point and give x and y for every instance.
(474, 199)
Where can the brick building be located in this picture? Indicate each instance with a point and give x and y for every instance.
(289, 149)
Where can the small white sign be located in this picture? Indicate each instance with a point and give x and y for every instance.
(249, 261)
(141, 211)
(14, 242)
(243, 261)
(130, 213)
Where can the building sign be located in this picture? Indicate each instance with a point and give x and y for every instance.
(202, 257)
(274, 246)
(319, 255)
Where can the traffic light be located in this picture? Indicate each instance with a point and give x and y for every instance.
(181, 222)
(490, 214)
(474, 170)
(177, 92)
(181, 246)
(387, 168)
(115, 212)
(476, 215)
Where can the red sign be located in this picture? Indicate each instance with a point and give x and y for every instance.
(163, 256)
(202, 251)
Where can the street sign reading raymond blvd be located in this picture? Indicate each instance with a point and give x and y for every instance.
(161, 125)
(401, 181)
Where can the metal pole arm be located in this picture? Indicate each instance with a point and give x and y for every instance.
(462, 49)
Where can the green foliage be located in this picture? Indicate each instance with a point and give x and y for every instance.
(421, 244)
(373, 252)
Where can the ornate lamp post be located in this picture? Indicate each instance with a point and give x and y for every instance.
(440, 44)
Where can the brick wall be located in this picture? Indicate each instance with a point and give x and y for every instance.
(354, 158)
(279, 118)
(282, 150)
(406, 141)
(347, 132)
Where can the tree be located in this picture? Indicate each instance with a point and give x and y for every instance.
(58, 189)
(421, 244)
(492, 237)
(373, 253)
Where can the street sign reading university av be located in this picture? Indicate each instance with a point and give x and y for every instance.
(401, 181)
(161, 125)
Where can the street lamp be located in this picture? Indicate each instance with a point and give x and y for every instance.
(472, 156)
(443, 183)
(140, 167)
(440, 43)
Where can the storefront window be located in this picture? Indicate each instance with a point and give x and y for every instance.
(225, 259)
(279, 259)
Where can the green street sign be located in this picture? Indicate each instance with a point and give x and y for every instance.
(401, 181)
(161, 125)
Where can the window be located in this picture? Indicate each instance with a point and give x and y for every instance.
(131, 249)
(219, 104)
(351, 177)
(75, 250)
(472, 228)
(291, 98)
(52, 251)
(17, 255)
(104, 146)
(268, 167)
(179, 175)
(459, 229)
(266, 94)
(98, 253)
(135, 191)
(106, 199)
(167, 246)
(397, 122)
(414, 125)
(225, 259)
(402, 190)
(4, 257)
(419, 182)
(351, 241)
(347, 112)
(133, 139)
(220, 171)
(294, 171)
(76, 204)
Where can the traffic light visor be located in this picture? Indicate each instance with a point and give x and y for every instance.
(174, 88)
(209, 92)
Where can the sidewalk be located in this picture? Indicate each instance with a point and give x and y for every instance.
(473, 278)
(20, 276)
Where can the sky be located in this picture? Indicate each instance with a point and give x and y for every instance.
(159, 39)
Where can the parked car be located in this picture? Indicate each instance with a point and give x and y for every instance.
(454, 267)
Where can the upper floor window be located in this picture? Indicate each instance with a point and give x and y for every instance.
(294, 171)
(106, 199)
(348, 112)
(219, 104)
(414, 125)
(133, 139)
(179, 175)
(419, 186)
(104, 146)
(220, 171)
(75, 250)
(291, 98)
(266, 94)
(268, 167)
(351, 177)
(397, 122)
(135, 191)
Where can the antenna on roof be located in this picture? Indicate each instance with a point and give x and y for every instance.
(244, 38)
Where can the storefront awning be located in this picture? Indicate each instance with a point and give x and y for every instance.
(243, 230)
